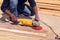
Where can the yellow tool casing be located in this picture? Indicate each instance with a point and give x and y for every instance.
(25, 21)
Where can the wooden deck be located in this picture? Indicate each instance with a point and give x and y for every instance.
(14, 31)
(49, 12)
(18, 32)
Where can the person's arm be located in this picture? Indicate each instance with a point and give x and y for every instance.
(13, 18)
(36, 13)
(5, 5)
(33, 5)
(8, 13)
(5, 9)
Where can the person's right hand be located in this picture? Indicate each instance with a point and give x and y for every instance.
(13, 18)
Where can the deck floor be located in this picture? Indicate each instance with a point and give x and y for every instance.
(16, 32)
(53, 21)
(47, 16)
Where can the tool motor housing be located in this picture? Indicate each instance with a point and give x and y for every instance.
(28, 22)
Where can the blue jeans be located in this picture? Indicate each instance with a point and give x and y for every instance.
(13, 7)
(26, 11)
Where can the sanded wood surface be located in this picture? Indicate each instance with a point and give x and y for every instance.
(25, 31)
(18, 32)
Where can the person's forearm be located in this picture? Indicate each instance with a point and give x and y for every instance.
(36, 12)
(8, 13)
(13, 17)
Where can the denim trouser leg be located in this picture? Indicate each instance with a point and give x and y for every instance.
(29, 12)
(13, 7)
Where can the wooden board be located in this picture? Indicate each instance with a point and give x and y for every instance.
(48, 6)
(14, 36)
(49, 12)
(24, 32)
(17, 32)
(8, 31)
(49, 1)
(23, 29)
(52, 21)
(1, 2)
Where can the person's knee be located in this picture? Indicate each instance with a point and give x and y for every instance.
(13, 6)
(13, 3)
(31, 10)
(28, 10)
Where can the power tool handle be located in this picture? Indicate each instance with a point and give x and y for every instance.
(36, 20)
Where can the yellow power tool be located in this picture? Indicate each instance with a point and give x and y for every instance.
(35, 24)
(28, 22)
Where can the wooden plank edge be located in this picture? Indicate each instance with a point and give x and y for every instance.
(24, 32)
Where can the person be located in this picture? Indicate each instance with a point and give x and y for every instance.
(14, 8)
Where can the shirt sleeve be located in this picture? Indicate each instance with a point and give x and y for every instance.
(32, 3)
(5, 5)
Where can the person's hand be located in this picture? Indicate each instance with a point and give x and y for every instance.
(13, 18)
(38, 21)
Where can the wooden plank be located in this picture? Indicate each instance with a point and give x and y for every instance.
(12, 36)
(4, 35)
(51, 21)
(49, 6)
(49, 1)
(49, 12)
(28, 31)
(1, 2)
(25, 31)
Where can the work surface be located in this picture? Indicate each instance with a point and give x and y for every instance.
(17, 32)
